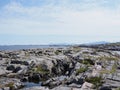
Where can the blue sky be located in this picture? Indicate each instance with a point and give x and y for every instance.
(59, 21)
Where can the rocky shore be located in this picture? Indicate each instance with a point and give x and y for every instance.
(68, 68)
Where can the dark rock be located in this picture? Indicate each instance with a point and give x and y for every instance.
(105, 88)
(118, 67)
(25, 79)
(17, 69)
(80, 81)
(19, 62)
(34, 78)
(99, 63)
(10, 67)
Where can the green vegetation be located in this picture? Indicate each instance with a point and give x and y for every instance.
(117, 89)
(97, 81)
(76, 48)
(87, 62)
(81, 70)
(113, 70)
(57, 52)
(105, 71)
(40, 69)
(108, 58)
(10, 84)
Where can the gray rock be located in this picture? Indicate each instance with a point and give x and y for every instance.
(35, 88)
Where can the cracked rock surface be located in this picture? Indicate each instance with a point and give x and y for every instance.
(69, 68)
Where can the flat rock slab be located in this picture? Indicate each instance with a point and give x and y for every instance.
(66, 88)
(36, 88)
(2, 71)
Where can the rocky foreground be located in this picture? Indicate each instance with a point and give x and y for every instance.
(68, 68)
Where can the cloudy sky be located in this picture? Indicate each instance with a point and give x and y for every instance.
(59, 21)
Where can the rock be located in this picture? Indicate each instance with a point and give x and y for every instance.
(77, 66)
(87, 86)
(17, 69)
(105, 88)
(75, 85)
(35, 88)
(62, 88)
(3, 55)
(19, 62)
(11, 84)
(2, 71)
(10, 68)
(53, 82)
(95, 73)
(68, 68)
(34, 78)
(24, 79)
(65, 88)
(98, 67)
(6, 88)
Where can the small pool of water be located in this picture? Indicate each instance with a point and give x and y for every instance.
(31, 84)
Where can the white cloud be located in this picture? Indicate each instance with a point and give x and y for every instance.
(65, 18)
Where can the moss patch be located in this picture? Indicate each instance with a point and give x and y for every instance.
(108, 58)
(10, 84)
(81, 70)
(113, 70)
(87, 62)
(40, 69)
(97, 81)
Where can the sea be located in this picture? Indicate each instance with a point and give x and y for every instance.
(19, 47)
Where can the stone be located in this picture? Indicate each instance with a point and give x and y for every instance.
(87, 86)
(34, 78)
(36, 88)
(105, 88)
(19, 62)
(17, 69)
(10, 68)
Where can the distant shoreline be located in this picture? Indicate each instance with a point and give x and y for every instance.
(19, 47)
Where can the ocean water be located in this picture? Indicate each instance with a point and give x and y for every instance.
(18, 47)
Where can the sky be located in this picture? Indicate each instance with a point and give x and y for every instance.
(59, 21)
